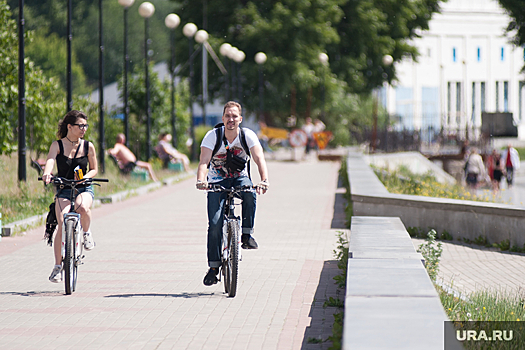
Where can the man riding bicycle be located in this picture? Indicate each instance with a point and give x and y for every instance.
(227, 150)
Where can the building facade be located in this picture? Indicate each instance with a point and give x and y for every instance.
(466, 66)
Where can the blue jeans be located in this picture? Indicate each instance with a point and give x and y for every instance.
(216, 208)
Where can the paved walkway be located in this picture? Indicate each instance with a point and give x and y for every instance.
(141, 288)
(468, 268)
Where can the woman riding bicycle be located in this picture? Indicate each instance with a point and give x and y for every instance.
(223, 173)
(71, 153)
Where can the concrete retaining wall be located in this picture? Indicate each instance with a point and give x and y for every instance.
(462, 219)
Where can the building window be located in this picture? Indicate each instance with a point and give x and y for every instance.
(454, 54)
(449, 102)
(505, 96)
(497, 97)
(473, 100)
(479, 54)
(482, 97)
(458, 97)
(502, 54)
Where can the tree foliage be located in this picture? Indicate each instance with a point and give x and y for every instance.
(356, 34)
(516, 27)
(44, 102)
(160, 104)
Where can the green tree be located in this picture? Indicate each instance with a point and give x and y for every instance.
(160, 105)
(44, 100)
(50, 54)
(516, 26)
(356, 35)
(371, 29)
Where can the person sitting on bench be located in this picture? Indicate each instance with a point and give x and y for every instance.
(126, 160)
(167, 153)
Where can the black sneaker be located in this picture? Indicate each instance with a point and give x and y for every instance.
(248, 242)
(211, 277)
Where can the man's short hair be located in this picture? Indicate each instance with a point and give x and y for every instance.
(230, 104)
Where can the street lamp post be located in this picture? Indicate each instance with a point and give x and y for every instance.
(260, 59)
(146, 10)
(69, 79)
(387, 60)
(225, 51)
(22, 170)
(102, 143)
(189, 31)
(126, 4)
(172, 21)
(201, 37)
(323, 58)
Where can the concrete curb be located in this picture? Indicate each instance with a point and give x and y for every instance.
(37, 220)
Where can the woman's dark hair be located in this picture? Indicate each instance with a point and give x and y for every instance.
(70, 118)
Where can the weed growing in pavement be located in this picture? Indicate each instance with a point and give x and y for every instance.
(343, 174)
(446, 236)
(341, 254)
(431, 253)
(334, 302)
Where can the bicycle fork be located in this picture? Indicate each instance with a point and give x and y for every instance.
(76, 237)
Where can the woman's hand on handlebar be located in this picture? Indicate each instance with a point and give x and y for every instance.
(47, 178)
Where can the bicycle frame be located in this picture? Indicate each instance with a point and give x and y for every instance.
(231, 239)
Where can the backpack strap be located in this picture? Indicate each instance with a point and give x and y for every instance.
(244, 145)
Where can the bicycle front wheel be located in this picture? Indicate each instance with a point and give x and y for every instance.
(232, 263)
(69, 257)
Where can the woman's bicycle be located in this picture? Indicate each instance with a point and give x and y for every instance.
(231, 238)
(72, 233)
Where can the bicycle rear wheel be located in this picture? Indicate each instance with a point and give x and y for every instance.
(232, 263)
(69, 257)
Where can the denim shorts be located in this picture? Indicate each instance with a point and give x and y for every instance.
(66, 192)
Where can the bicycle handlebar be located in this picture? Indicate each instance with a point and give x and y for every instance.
(63, 181)
(219, 188)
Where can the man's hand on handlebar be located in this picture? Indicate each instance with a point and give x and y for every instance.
(262, 187)
(202, 185)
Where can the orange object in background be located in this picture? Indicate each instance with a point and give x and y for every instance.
(322, 138)
(275, 133)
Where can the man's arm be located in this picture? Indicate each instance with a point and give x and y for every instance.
(204, 160)
(258, 157)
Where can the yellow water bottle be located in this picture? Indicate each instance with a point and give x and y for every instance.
(79, 174)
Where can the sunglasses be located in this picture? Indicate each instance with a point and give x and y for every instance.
(82, 126)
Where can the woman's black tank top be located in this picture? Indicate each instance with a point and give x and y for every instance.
(66, 165)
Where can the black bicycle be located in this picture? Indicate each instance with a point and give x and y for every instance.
(231, 237)
(72, 233)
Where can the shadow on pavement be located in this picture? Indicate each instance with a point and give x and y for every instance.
(35, 293)
(322, 309)
(339, 218)
(181, 295)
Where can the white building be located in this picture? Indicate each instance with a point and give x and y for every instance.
(466, 67)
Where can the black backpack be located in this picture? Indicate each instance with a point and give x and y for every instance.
(218, 142)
